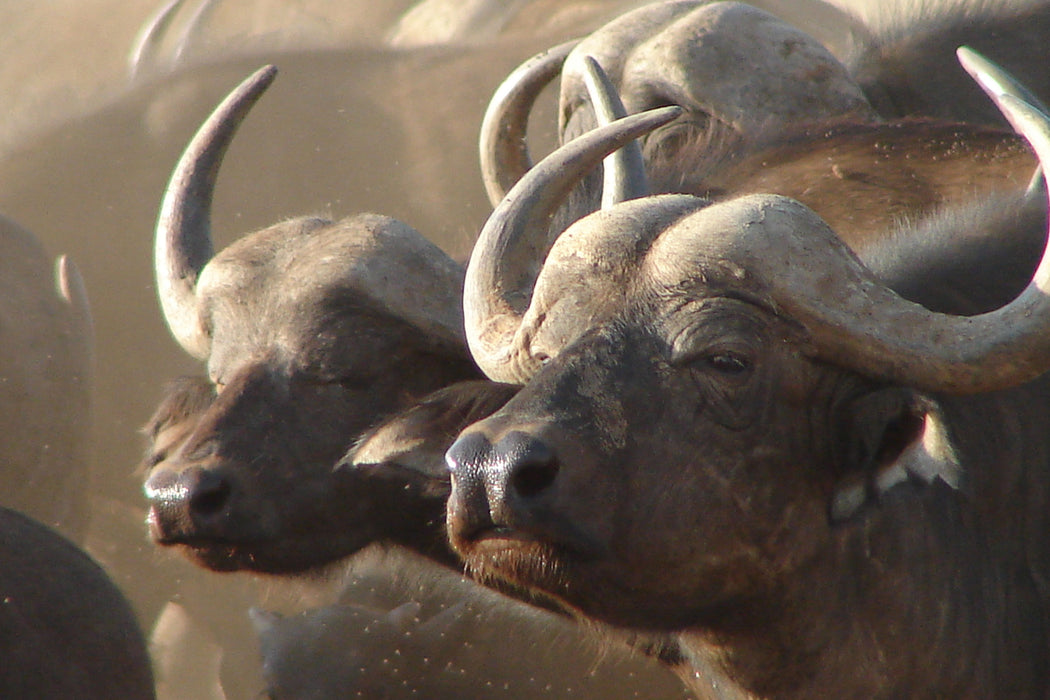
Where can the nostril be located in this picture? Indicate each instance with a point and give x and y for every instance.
(209, 494)
(530, 480)
(533, 465)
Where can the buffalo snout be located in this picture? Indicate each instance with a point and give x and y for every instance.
(188, 503)
(499, 484)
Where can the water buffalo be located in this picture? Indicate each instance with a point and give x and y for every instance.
(734, 430)
(45, 383)
(767, 109)
(311, 331)
(65, 629)
(399, 461)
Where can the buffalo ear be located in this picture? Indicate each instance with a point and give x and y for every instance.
(893, 436)
(417, 438)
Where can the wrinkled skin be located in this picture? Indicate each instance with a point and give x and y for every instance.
(313, 332)
(305, 154)
(401, 462)
(65, 629)
(185, 400)
(682, 462)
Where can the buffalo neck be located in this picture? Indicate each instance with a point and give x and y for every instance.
(917, 596)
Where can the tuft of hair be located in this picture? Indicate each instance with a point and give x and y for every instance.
(906, 62)
(965, 259)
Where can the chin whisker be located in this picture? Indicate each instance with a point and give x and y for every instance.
(530, 565)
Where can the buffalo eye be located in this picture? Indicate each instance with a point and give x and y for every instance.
(728, 381)
(154, 458)
(355, 379)
(356, 383)
(729, 364)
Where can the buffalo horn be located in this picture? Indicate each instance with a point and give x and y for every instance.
(513, 243)
(624, 171)
(994, 80)
(182, 245)
(503, 143)
(148, 38)
(73, 292)
(871, 329)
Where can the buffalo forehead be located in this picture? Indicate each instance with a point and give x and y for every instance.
(743, 64)
(612, 44)
(594, 264)
(737, 62)
(650, 256)
(266, 282)
(676, 242)
(610, 243)
(750, 244)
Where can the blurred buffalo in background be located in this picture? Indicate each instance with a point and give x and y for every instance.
(66, 631)
(45, 384)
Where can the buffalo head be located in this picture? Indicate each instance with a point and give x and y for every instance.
(312, 331)
(715, 393)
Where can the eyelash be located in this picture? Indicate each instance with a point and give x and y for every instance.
(727, 363)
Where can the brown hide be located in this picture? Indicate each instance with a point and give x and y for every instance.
(862, 179)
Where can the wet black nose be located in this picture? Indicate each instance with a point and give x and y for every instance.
(188, 502)
(518, 465)
(501, 483)
(467, 456)
(529, 465)
(208, 494)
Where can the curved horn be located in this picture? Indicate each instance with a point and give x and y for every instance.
(994, 80)
(182, 243)
(73, 291)
(513, 243)
(1036, 188)
(503, 143)
(148, 38)
(624, 171)
(882, 334)
(192, 27)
